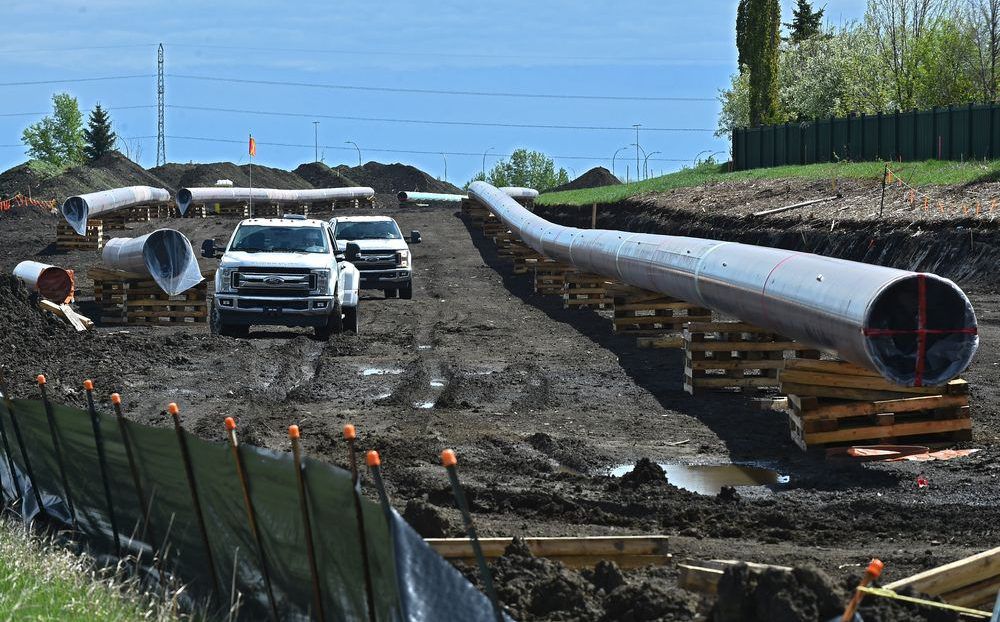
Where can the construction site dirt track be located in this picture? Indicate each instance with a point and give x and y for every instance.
(540, 403)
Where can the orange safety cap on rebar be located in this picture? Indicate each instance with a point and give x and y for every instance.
(448, 458)
(230, 424)
(116, 399)
(373, 458)
(875, 567)
(349, 432)
(293, 431)
(40, 379)
(88, 385)
(172, 408)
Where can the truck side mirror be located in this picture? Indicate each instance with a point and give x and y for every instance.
(353, 251)
(208, 249)
(414, 237)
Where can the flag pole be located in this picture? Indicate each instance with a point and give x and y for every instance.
(251, 175)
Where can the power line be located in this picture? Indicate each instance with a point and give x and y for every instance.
(76, 49)
(35, 114)
(406, 151)
(432, 122)
(69, 80)
(386, 89)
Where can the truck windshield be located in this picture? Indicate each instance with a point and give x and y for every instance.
(271, 239)
(368, 230)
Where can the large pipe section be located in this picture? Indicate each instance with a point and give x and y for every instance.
(77, 209)
(513, 192)
(915, 329)
(164, 254)
(188, 196)
(516, 192)
(50, 282)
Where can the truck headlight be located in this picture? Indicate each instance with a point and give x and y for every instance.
(403, 259)
(224, 280)
(322, 279)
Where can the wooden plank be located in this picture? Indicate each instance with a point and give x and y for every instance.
(744, 346)
(720, 382)
(659, 342)
(876, 383)
(609, 546)
(842, 393)
(832, 367)
(982, 593)
(904, 428)
(625, 562)
(953, 576)
(698, 578)
(655, 305)
(856, 409)
(739, 364)
(726, 327)
(678, 320)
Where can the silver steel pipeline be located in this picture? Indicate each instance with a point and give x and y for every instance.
(404, 197)
(51, 283)
(164, 254)
(516, 192)
(188, 196)
(915, 329)
(77, 209)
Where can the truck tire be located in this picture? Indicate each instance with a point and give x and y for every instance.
(218, 327)
(334, 324)
(351, 320)
(406, 291)
(391, 293)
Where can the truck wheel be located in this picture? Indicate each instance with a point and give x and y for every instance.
(334, 324)
(391, 293)
(218, 327)
(406, 292)
(351, 320)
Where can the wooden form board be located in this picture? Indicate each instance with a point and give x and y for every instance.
(968, 582)
(704, 576)
(576, 552)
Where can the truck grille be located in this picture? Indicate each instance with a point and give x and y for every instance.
(274, 281)
(375, 260)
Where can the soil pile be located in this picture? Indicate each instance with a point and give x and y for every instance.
(594, 178)
(322, 176)
(426, 519)
(201, 175)
(112, 170)
(776, 596)
(645, 472)
(392, 178)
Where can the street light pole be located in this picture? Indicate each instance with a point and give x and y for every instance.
(637, 149)
(484, 160)
(316, 138)
(613, 159)
(636, 126)
(645, 162)
(356, 147)
(445, 168)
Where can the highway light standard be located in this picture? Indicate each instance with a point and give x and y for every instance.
(645, 163)
(613, 159)
(356, 147)
(484, 160)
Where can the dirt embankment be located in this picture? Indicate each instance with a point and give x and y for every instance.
(392, 178)
(594, 178)
(112, 170)
(200, 175)
(322, 176)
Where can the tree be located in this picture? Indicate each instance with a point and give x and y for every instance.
(742, 41)
(764, 22)
(806, 23)
(898, 26)
(99, 135)
(982, 20)
(530, 169)
(57, 139)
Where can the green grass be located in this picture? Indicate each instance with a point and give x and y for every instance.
(40, 580)
(930, 172)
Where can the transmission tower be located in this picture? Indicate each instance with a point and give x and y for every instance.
(161, 143)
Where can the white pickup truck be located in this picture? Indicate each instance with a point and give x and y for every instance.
(283, 272)
(377, 247)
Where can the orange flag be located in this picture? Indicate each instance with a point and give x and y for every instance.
(253, 147)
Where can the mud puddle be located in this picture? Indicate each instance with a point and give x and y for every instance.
(709, 479)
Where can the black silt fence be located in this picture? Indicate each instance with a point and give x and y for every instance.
(970, 132)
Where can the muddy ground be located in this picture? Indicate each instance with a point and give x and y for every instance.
(539, 403)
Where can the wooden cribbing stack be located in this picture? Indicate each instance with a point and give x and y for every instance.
(657, 321)
(729, 355)
(585, 291)
(193, 211)
(524, 257)
(575, 552)
(549, 276)
(493, 226)
(129, 298)
(476, 212)
(68, 239)
(119, 218)
(837, 403)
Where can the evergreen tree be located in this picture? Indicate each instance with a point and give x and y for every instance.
(806, 23)
(99, 135)
(763, 30)
(742, 41)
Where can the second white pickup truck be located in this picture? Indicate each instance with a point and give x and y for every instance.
(377, 248)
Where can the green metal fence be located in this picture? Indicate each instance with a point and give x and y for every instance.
(952, 133)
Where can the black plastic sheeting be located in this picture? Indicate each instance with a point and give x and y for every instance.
(410, 581)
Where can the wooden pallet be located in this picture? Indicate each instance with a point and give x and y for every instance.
(476, 212)
(585, 291)
(239, 210)
(524, 257)
(968, 582)
(129, 298)
(493, 226)
(163, 210)
(68, 239)
(657, 321)
(119, 218)
(193, 211)
(575, 552)
(549, 276)
(735, 355)
(836, 403)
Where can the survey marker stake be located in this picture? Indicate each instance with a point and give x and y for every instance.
(351, 435)
(175, 414)
(147, 533)
(6, 445)
(102, 462)
(57, 449)
(450, 462)
(241, 472)
(300, 477)
(874, 571)
(374, 462)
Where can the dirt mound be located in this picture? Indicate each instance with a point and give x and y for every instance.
(426, 519)
(322, 176)
(645, 472)
(112, 170)
(776, 596)
(395, 177)
(200, 175)
(594, 178)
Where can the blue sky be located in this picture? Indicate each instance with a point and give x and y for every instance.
(651, 49)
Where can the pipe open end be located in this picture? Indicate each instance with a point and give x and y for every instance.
(183, 200)
(171, 261)
(921, 331)
(75, 211)
(55, 284)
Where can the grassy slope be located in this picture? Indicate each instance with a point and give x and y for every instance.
(42, 581)
(931, 172)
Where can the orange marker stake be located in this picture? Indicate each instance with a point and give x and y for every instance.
(102, 462)
(926, 203)
(6, 446)
(450, 462)
(993, 205)
(977, 208)
(251, 514)
(874, 571)
(300, 478)
(57, 449)
(351, 435)
(941, 206)
(375, 468)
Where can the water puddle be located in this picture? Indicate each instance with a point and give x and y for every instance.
(423, 404)
(708, 479)
(420, 347)
(376, 371)
(437, 383)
